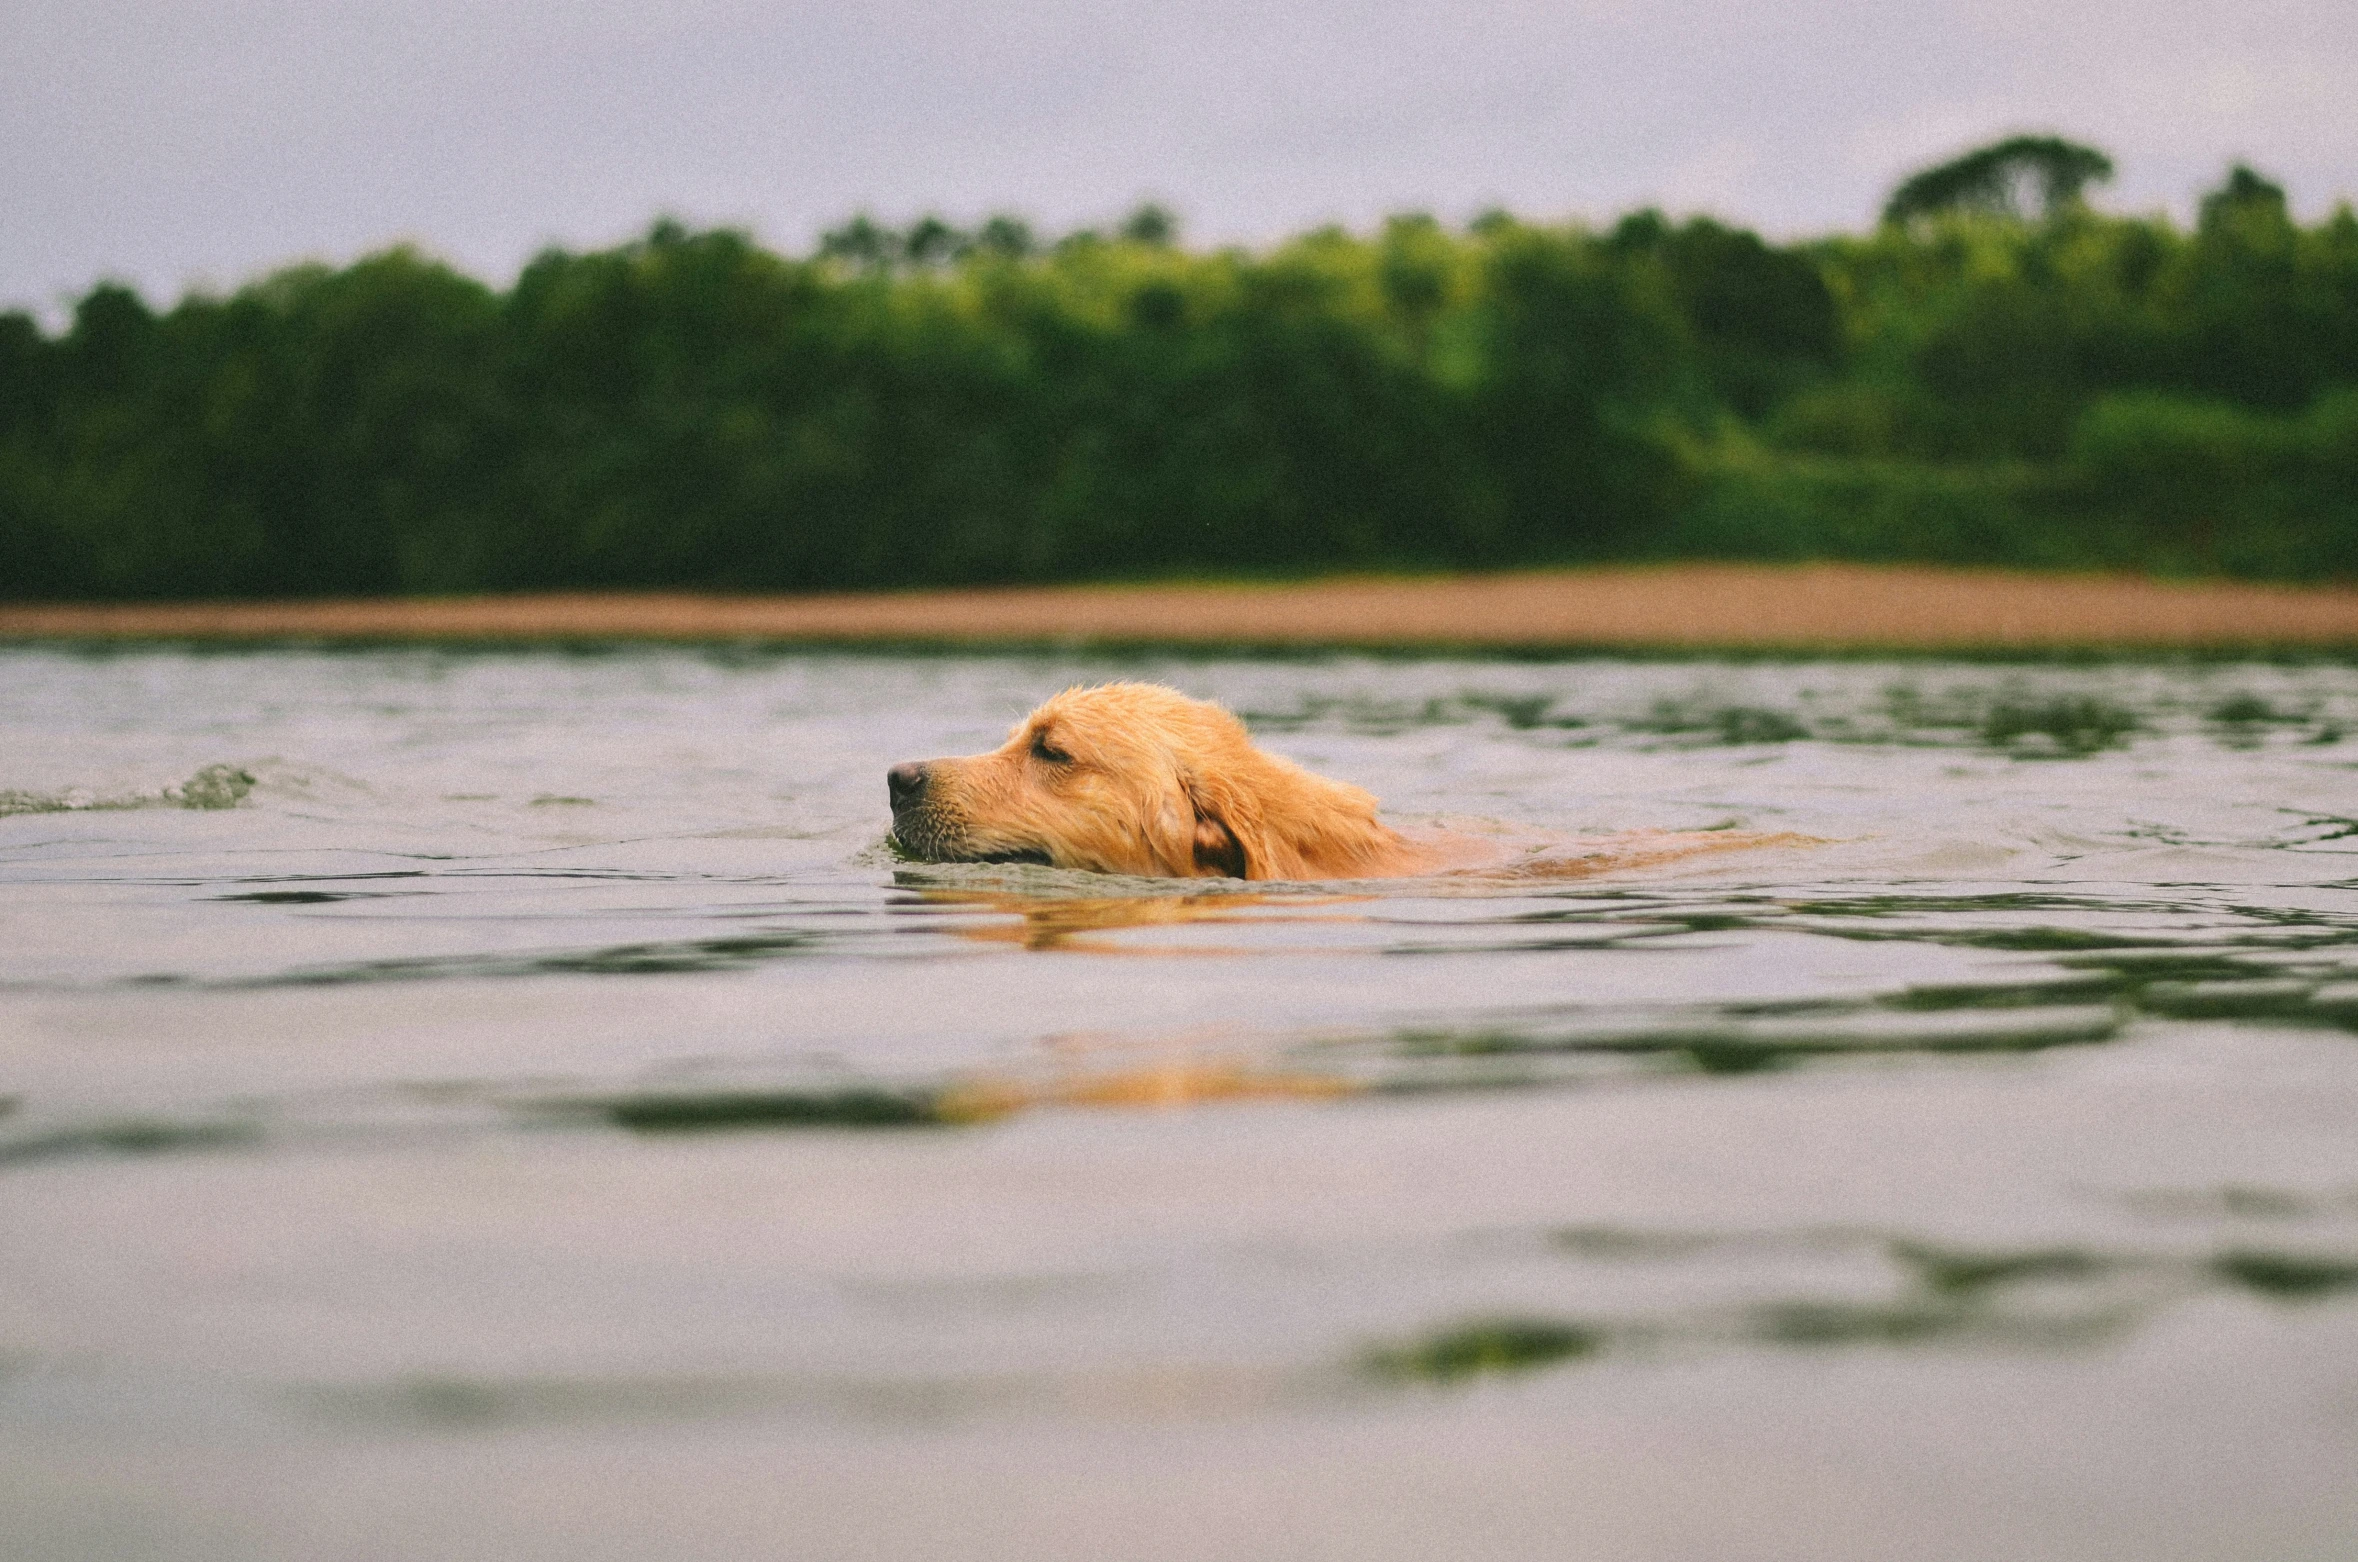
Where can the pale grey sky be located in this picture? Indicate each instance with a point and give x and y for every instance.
(172, 144)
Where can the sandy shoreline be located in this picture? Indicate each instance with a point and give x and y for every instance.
(1671, 607)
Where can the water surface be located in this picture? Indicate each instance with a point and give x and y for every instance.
(514, 1105)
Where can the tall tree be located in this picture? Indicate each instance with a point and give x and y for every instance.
(2006, 179)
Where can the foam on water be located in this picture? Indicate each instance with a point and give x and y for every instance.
(213, 786)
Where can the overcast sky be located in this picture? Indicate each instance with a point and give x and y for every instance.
(178, 144)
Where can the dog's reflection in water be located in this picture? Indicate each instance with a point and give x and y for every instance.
(1127, 1071)
(1064, 922)
(1061, 922)
(1198, 1068)
(1164, 1078)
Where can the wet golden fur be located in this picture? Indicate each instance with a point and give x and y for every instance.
(1136, 778)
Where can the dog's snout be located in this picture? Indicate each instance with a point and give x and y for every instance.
(906, 783)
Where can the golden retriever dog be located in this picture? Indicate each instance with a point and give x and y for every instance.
(1136, 778)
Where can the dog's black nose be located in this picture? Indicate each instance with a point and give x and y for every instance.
(906, 783)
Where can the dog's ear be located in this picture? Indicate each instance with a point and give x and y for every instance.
(1217, 850)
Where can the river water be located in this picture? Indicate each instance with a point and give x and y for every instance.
(512, 1105)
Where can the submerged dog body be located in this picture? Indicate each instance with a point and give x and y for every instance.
(1136, 778)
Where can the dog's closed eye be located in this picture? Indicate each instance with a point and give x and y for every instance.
(1047, 752)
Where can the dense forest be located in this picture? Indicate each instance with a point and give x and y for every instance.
(1997, 373)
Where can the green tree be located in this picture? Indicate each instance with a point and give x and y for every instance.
(2020, 176)
(1151, 224)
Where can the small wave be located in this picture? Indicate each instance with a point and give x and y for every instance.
(215, 786)
(2045, 1298)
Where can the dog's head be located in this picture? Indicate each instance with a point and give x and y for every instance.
(1136, 778)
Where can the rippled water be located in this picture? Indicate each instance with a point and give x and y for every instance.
(512, 1105)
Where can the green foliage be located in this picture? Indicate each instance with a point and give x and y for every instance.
(903, 408)
(2211, 485)
(1763, 319)
(1152, 223)
(2003, 179)
(931, 405)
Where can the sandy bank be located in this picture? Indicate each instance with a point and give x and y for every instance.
(1700, 606)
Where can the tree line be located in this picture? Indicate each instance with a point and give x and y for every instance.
(1995, 374)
